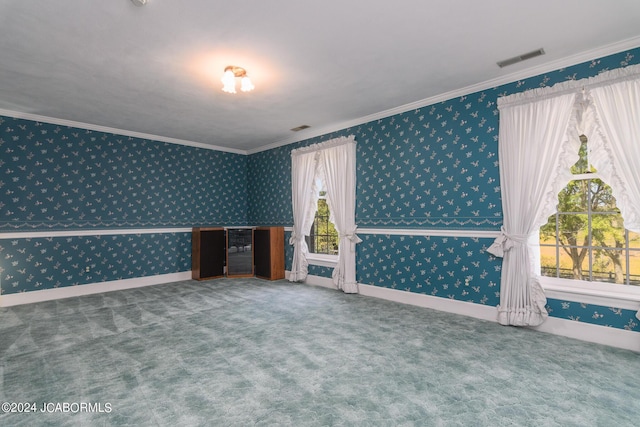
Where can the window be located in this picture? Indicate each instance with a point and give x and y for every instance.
(323, 238)
(586, 239)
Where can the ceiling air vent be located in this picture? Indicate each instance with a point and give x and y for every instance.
(520, 58)
(301, 127)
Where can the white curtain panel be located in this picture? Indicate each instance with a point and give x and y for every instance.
(337, 168)
(536, 150)
(612, 120)
(615, 150)
(304, 198)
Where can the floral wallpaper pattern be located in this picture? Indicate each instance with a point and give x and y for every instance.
(433, 167)
(595, 314)
(269, 187)
(450, 267)
(57, 177)
(42, 263)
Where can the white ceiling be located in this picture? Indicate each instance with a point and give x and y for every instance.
(156, 69)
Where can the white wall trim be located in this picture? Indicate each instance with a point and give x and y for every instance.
(89, 289)
(478, 311)
(604, 294)
(90, 232)
(597, 334)
(582, 331)
(322, 260)
(115, 131)
(488, 234)
(568, 328)
(325, 282)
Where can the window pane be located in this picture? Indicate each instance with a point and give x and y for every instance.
(573, 198)
(609, 266)
(548, 261)
(634, 267)
(548, 232)
(574, 263)
(607, 231)
(324, 237)
(602, 199)
(573, 230)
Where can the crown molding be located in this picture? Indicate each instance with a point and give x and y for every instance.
(115, 131)
(488, 84)
(90, 232)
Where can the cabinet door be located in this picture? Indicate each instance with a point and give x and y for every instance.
(269, 252)
(239, 252)
(208, 253)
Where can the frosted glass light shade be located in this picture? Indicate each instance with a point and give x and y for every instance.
(229, 82)
(246, 85)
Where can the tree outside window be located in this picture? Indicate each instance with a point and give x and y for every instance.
(323, 238)
(586, 239)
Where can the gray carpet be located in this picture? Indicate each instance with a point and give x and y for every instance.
(244, 352)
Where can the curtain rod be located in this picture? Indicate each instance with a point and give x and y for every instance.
(324, 145)
(631, 72)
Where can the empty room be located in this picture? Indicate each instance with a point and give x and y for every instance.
(409, 213)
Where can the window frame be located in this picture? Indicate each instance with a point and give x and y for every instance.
(597, 293)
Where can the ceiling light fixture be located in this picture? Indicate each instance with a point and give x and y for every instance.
(229, 79)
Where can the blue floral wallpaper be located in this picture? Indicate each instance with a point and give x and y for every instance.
(61, 178)
(269, 187)
(595, 314)
(42, 263)
(434, 167)
(450, 267)
(57, 177)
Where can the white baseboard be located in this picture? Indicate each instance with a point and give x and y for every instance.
(605, 335)
(597, 334)
(325, 282)
(93, 288)
(448, 305)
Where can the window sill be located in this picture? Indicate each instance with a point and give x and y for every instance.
(604, 294)
(322, 260)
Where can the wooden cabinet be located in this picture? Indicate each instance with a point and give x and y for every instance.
(242, 252)
(207, 252)
(269, 252)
